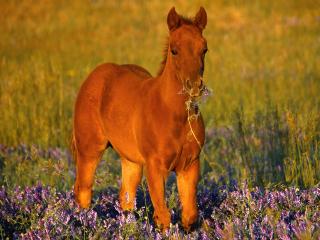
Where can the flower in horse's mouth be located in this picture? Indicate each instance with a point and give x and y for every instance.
(206, 91)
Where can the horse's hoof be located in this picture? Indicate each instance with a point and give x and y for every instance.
(190, 223)
(162, 221)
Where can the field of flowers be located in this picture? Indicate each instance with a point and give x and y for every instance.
(40, 205)
(227, 211)
(260, 168)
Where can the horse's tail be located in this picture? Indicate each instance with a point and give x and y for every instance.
(73, 148)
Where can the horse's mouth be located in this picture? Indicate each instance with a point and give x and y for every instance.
(195, 95)
(196, 92)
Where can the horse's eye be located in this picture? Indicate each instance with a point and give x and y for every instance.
(174, 51)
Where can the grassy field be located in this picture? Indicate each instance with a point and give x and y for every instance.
(263, 65)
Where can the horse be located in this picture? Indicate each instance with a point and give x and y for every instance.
(153, 123)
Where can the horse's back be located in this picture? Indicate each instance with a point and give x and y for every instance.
(106, 82)
(108, 76)
(140, 71)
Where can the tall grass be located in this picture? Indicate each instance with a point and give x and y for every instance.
(263, 66)
(269, 150)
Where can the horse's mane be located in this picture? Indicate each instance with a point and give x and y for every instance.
(184, 21)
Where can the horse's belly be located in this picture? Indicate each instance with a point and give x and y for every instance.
(122, 139)
(128, 152)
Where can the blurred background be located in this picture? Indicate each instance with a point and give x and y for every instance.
(263, 65)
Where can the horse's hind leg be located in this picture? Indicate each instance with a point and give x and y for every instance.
(86, 167)
(131, 177)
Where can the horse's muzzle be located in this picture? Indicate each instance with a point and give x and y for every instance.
(195, 89)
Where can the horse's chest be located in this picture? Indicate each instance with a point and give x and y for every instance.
(191, 147)
(185, 147)
(170, 140)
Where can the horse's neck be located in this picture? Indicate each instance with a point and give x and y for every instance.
(171, 89)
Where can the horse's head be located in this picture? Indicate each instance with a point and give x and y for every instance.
(187, 49)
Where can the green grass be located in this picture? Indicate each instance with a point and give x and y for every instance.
(263, 65)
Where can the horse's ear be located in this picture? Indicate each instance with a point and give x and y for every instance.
(173, 19)
(200, 19)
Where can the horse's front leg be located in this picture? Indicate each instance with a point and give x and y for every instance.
(187, 180)
(131, 177)
(156, 183)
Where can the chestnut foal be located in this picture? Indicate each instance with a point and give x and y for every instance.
(153, 123)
